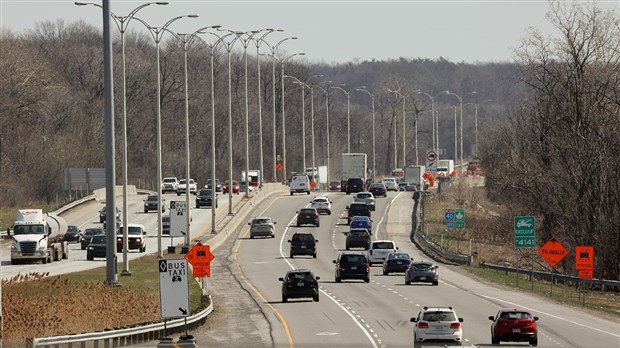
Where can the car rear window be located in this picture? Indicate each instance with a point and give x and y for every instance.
(383, 245)
(364, 195)
(303, 237)
(260, 221)
(422, 266)
(359, 233)
(353, 259)
(308, 211)
(300, 276)
(361, 207)
(516, 315)
(439, 316)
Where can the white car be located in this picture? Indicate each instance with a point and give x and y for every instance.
(390, 184)
(322, 204)
(365, 197)
(169, 184)
(380, 249)
(182, 186)
(437, 323)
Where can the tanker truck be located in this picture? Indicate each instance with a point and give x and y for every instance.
(38, 236)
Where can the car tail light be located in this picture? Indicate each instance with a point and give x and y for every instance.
(422, 325)
(456, 325)
(367, 267)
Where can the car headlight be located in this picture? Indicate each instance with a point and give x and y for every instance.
(119, 240)
(138, 240)
(91, 248)
(14, 246)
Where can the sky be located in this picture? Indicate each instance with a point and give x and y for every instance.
(331, 31)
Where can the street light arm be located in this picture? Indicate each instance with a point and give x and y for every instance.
(120, 20)
(275, 48)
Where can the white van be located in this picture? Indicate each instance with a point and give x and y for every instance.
(300, 183)
(380, 249)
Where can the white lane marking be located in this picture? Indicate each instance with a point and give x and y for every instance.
(368, 335)
(327, 334)
(551, 315)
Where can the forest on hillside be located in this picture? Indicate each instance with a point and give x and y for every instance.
(547, 124)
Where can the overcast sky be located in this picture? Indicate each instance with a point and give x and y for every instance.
(332, 31)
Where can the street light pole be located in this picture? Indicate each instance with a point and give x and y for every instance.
(156, 33)
(404, 125)
(303, 117)
(122, 22)
(326, 90)
(257, 43)
(283, 113)
(433, 119)
(348, 115)
(372, 99)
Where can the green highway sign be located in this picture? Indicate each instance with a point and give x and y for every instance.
(525, 232)
(459, 218)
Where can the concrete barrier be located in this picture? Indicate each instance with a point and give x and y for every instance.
(100, 194)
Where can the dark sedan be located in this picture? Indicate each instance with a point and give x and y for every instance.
(334, 186)
(205, 198)
(352, 265)
(88, 234)
(423, 272)
(73, 234)
(378, 189)
(396, 262)
(97, 247)
(151, 203)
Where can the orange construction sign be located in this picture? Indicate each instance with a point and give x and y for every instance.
(199, 256)
(553, 251)
(584, 257)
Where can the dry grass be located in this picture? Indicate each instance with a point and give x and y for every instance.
(39, 306)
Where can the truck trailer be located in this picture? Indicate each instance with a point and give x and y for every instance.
(354, 165)
(38, 236)
(414, 175)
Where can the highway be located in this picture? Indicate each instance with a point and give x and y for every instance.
(353, 313)
(87, 215)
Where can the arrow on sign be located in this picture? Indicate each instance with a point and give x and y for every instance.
(183, 233)
(183, 311)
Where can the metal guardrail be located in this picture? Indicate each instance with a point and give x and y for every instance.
(115, 338)
(602, 283)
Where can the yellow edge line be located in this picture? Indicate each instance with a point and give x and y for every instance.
(247, 282)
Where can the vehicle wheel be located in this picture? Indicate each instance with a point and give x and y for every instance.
(284, 299)
(291, 193)
(89, 258)
(101, 221)
(386, 273)
(338, 280)
(367, 280)
(143, 249)
(494, 340)
(298, 224)
(146, 211)
(435, 283)
(83, 247)
(318, 224)
(315, 298)
(407, 282)
(534, 342)
(291, 255)
(119, 250)
(347, 247)
(178, 194)
(314, 256)
(308, 192)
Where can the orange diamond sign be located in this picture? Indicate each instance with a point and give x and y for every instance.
(199, 256)
(553, 252)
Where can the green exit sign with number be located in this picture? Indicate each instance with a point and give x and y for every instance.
(525, 232)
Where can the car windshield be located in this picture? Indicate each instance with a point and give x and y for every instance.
(98, 240)
(92, 231)
(29, 229)
(359, 233)
(300, 276)
(205, 192)
(152, 198)
(515, 315)
(182, 182)
(376, 185)
(364, 195)
(439, 316)
(72, 228)
(362, 206)
(169, 180)
(320, 200)
(133, 230)
(260, 221)
(360, 219)
(307, 211)
(388, 180)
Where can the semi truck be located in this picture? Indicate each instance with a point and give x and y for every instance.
(38, 236)
(354, 165)
(414, 175)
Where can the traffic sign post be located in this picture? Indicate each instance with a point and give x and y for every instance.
(174, 288)
(200, 256)
(178, 220)
(525, 232)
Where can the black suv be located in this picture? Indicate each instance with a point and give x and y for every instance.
(300, 283)
(97, 247)
(150, 203)
(303, 244)
(358, 238)
(308, 216)
(357, 209)
(352, 265)
(205, 198)
(355, 185)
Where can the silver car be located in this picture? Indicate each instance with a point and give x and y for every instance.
(390, 184)
(262, 226)
(365, 197)
(423, 272)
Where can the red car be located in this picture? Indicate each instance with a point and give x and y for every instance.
(514, 325)
(235, 187)
(334, 186)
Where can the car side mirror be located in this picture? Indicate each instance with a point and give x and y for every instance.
(318, 278)
(289, 240)
(274, 222)
(396, 248)
(436, 266)
(281, 279)
(249, 223)
(413, 320)
(316, 240)
(334, 261)
(144, 233)
(491, 318)
(460, 320)
(346, 208)
(297, 212)
(536, 318)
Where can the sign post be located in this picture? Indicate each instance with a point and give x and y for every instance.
(178, 220)
(584, 263)
(459, 219)
(553, 252)
(525, 237)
